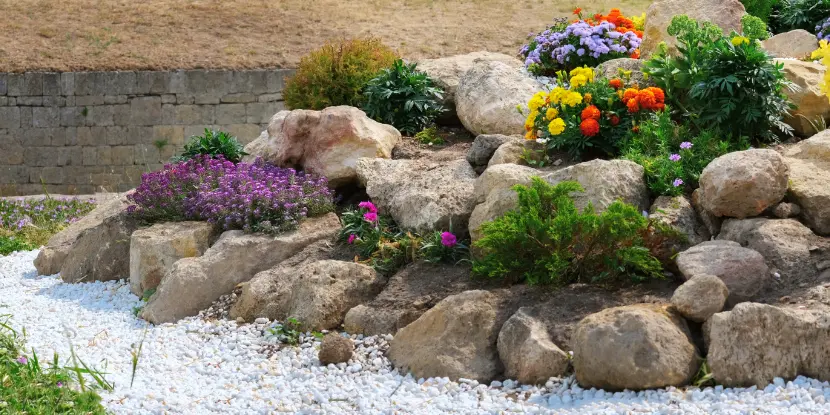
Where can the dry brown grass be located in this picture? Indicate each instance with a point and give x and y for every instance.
(68, 35)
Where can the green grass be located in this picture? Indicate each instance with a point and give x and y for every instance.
(28, 386)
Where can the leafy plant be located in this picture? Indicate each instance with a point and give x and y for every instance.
(213, 143)
(443, 247)
(28, 224)
(377, 239)
(800, 14)
(754, 28)
(720, 82)
(546, 239)
(761, 9)
(12, 244)
(403, 97)
(336, 74)
(429, 136)
(291, 331)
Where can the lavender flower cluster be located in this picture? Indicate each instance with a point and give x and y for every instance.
(255, 197)
(823, 30)
(577, 45)
(17, 214)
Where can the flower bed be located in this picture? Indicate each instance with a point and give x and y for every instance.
(28, 224)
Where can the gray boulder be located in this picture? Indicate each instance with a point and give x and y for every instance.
(700, 297)
(527, 351)
(744, 183)
(743, 270)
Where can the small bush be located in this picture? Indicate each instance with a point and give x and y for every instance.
(800, 14)
(403, 97)
(254, 197)
(213, 143)
(547, 240)
(336, 74)
(761, 9)
(429, 136)
(12, 244)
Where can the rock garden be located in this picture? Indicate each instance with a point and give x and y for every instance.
(631, 215)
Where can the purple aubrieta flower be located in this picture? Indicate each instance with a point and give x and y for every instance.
(685, 145)
(352, 238)
(674, 157)
(448, 239)
(677, 182)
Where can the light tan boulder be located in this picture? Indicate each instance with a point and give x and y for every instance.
(641, 346)
(495, 195)
(605, 181)
(487, 97)
(813, 105)
(809, 185)
(517, 152)
(743, 270)
(700, 297)
(50, 258)
(193, 284)
(327, 142)
(784, 243)
(708, 219)
(798, 44)
(318, 294)
(527, 351)
(754, 343)
(744, 183)
(154, 250)
(455, 339)
(724, 13)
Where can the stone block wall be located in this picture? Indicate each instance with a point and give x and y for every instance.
(82, 132)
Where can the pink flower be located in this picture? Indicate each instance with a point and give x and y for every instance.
(59, 384)
(448, 239)
(674, 157)
(370, 217)
(677, 182)
(685, 145)
(22, 360)
(352, 237)
(368, 206)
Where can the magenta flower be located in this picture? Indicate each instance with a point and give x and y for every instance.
(677, 182)
(352, 237)
(368, 206)
(674, 157)
(59, 384)
(448, 239)
(685, 145)
(22, 360)
(370, 217)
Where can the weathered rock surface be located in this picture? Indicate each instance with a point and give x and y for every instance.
(678, 213)
(700, 297)
(605, 181)
(708, 219)
(809, 186)
(724, 13)
(796, 44)
(318, 294)
(785, 210)
(327, 142)
(50, 258)
(456, 338)
(754, 343)
(488, 94)
(743, 270)
(812, 104)
(495, 195)
(744, 183)
(517, 152)
(154, 250)
(611, 69)
(527, 351)
(194, 283)
(335, 349)
(641, 346)
(101, 252)
(784, 243)
(421, 195)
(483, 149)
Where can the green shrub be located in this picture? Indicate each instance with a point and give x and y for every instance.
(548, 240)
(213, 143)
(724, 82)
(761, 9)
(403, 97)
(12, 244)
(429, 136)
(672, 156)
(336, 74)
(800, 14)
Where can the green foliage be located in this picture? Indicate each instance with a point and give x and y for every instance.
(9, 244)
(754, 28)
(548, 240)
(290, 332)
(800, 14)
(213, 143)
(336, 74)
(435, 248)
(403, 97)
(761, 9)
(429, 136)
(28, 224)
(726, 83)
(659, 138)
(28, 387)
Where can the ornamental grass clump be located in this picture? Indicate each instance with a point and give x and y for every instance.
(547, 240)
(254, 197)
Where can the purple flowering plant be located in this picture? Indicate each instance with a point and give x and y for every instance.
(823, 30)
(565, 46)
(26, 224)
(254, 197)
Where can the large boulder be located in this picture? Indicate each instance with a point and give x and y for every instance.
(809, 186)
(447, 72)
(605, 181)
(798, 44)
(327, 142)
(154, 250)
(517, 152)
(708, 219)
(744, 183)
(421, 195)
(784, 243)
(678, 213)
(813, 105)
(50, 258)
(700, 297)
(318, 294)
(102, 252)
(193, 284)
(487, 97)
(755, 343)
(527, 351)
(455, 339)
(724, 13)
(743, 270)
(495, 195)
(631, 68)
(483, 149)
(640, 346)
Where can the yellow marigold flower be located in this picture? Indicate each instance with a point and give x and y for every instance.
(586, 72)
(556, 94)
(531, 119)
(588, 98)
(639, 21)
(556, 127)
(530, 135)
(551, 113)
(535, 103)
(572, 99)
(578, 80)
(740, 40)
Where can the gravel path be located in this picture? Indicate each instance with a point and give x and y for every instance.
(201, 367)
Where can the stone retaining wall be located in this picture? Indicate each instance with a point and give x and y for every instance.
(85, 132)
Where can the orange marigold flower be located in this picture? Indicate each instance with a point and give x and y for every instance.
(633, 105)
(646, 99)
(616, 83)
(598, 17)
(659, 95)
(629, 94)
(591, 112)
(660, 106)
(636, 54)
(577, 11)
(587, 97)
(615, 120)
(589, 127)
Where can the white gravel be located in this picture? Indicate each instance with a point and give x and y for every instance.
(201, 367)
